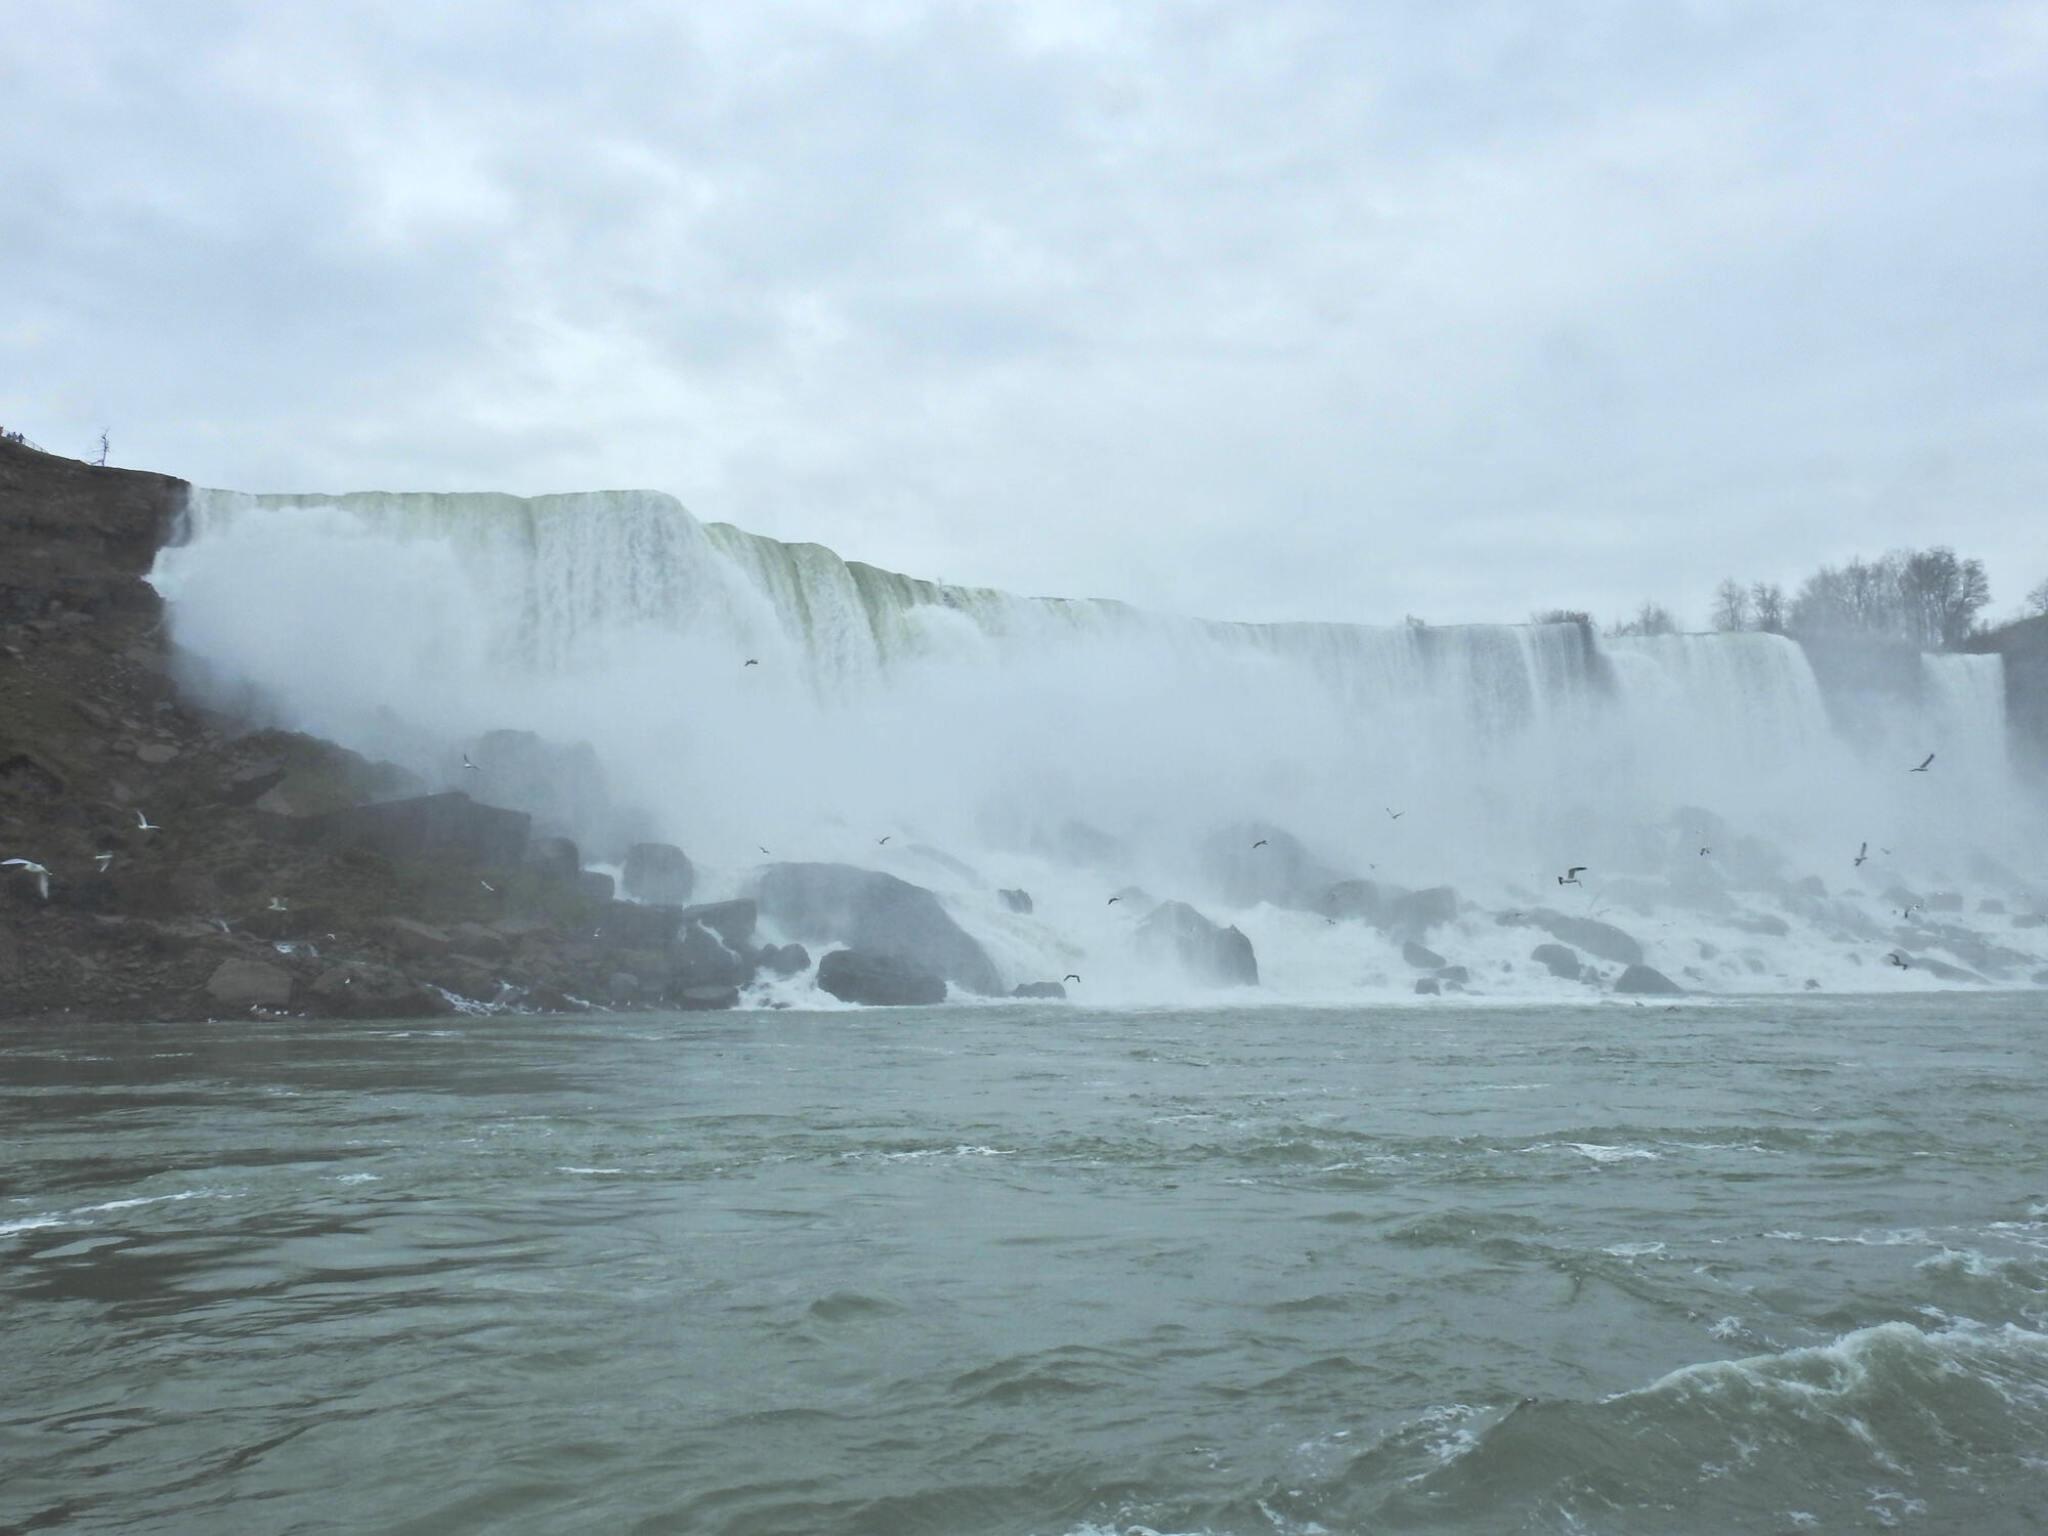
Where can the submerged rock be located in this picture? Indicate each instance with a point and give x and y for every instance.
(877, 915)
(785, 959)
(1645, 981)
(878, 981)
(1039, 989)
(1217, 956)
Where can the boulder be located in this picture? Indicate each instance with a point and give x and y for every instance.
(785, 959)
(701, 958)
(704, 999)
(554, 858)
(1454, 975)
(732, 921)
(877, 915)
(594, 885)
(1641, 980)
(250, 984)
(1016, 901)
(1423, 959)
(1558, 960)
(623, 987)
(1589, 934)
(1039, 989)
(446, 828)
(1414, 913)
(365, 991)
(1216, 956)
(476, 939)
(880, 981)
(632, 925)
(247, 785)
(416, 941)
(560, 784)
(1428, 986)
(659, 872)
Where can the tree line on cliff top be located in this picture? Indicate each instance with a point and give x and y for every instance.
(1926, 598)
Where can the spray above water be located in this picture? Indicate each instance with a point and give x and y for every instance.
(738, 693)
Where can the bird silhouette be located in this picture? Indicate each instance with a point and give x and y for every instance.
(472, 767)
(38, 872)
(884, 842)
(1862, 855)
(1705, 851)
(144, 824)
(1895, 958)
(1571, 876)
(764, 850)
(1114, 900)
(1394, 815)
(1260, 843)
(1070, 976)
(1923, 766)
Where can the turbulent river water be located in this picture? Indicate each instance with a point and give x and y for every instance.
(1774, 1266)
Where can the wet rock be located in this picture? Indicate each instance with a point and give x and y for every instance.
(555, 858)
(631, 925)
(1642, 980)
(249, 784)
(732, 921)
(244, 984)
(1349, 899)
(1454, 975)
(1588, 934)
(1558, 960)
(880, 981)
(1039, 989)
(1422, 957)
(1282, 872)
(1217, 956)
(878, 916)
(785, 959)
(561, 785)
(2030, 920)
(1943, 971)
(413, 940)
(658, 872)
(622, 987)
(448, 827)
(362, 990)
(157, 753)
(704, 999)
(476, 939)
(594, 885)
(1428, 986)
(701, 958)
(1016, 901)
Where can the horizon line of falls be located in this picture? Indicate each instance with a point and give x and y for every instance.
(1073, 746)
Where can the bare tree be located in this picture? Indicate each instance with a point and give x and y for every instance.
(1733, 609)
(1650, 619)
(101, 461)
(2037, 600)
(1767, 604)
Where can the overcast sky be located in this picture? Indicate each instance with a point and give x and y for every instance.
(1259, 310)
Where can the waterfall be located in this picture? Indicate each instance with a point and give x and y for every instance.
(991, 725)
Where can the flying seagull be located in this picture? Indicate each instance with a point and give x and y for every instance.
(488, 886)
(1114, 900)
(749, 662)
(103, 860)
(31, 867)
(1705, 851)
(885, 841)
(1895, 958)
(764, 850)
(1923, 766)
(277, 905)
(1070, 976)
(144, 824)
(1260, 843)
(1394, 815)
(1571, 876)
(1862, 854)
(472, 767)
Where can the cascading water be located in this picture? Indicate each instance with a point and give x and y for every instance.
(1000, 729)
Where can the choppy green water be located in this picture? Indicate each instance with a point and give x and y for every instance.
(1747, 1268)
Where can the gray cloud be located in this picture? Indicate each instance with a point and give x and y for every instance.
(1290, 310)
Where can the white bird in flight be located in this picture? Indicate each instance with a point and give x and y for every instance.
(103, 860)
(277, 904)
(144, 824)
(31, 867)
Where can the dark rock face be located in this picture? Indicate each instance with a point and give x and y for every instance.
(414, 940)
(365, 990)
(1428, 986)
(786, 959)
(1283, 872)
(1218, 956)
(595, 886)
(877, 915)
(1642, 980)
(1557, 960)
(556, 858)
(879, 981)
(1039, 989)
(1421, 958)
(451, 827)
(1016, 901)
(658, 872)
(732, 921)
(703, 959)
(249, 984)
(560, 784)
